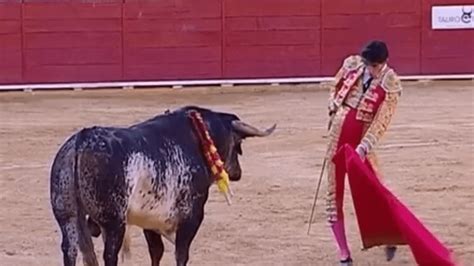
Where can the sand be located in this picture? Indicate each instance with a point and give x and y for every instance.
(426, 156)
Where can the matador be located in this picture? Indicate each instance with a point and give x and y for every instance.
(362, 102)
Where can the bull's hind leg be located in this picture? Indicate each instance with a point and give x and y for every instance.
(155, 246)
(70, 240)
(113, 237)
(85, 242)
(75, 234)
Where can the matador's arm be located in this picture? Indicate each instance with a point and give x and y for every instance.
(392, 86)
(332, 88)
(350, 63)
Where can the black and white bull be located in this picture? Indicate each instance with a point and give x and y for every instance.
(152, 175)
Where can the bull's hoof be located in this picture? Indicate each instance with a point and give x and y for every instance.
(390, 252)
(346, 262)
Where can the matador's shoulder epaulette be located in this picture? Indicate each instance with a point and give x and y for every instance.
(391, 82)
(352, 62)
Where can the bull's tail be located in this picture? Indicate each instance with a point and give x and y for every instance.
(85, 242)
(84, 235)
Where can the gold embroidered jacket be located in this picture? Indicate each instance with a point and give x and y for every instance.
(375, 107)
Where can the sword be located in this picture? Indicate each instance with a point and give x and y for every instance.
(316, 194)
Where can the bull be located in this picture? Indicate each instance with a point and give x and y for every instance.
(152, 174)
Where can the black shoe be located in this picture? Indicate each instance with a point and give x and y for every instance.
(346, 262)
(390, 252)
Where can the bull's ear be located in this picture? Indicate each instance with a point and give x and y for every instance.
(245, 130)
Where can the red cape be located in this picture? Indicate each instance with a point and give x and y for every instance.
(383, 219)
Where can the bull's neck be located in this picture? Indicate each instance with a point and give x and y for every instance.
(211, 154)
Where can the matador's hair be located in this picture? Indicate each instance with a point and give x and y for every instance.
(375, 52)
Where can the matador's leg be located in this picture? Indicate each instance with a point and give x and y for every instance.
(374, 163)
(335, 189)
(334, 135)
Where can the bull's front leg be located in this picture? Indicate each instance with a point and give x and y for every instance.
(185, 235)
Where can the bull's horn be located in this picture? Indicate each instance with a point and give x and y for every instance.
(250, 131)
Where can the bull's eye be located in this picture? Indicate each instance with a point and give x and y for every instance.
(238, 148)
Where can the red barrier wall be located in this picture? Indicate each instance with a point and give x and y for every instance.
(172, 39)
(114, 40)
(72, 41)
(445, 51)
(346, 29)
(10, 43)
(271, 38)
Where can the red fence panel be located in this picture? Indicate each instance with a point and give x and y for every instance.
(172, 39)
(348, 25)
(10, 42)
(72, 41)
(271, 38)
(445, 51)
(113, 40)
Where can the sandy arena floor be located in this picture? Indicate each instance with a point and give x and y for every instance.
(427, 158)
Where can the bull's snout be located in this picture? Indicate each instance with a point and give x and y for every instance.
(235, 174)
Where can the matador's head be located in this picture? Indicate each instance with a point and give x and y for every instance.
(375, 56)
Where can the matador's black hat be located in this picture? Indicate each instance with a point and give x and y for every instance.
(375, 52)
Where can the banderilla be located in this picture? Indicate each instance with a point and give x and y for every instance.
(316, 194)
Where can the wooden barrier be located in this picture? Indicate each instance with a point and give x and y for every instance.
(271, 38)
(170, 39)
(445, 51)
(59, 41)
(11, 45)
(72, 41)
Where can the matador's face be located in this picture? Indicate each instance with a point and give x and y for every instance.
(375, 68)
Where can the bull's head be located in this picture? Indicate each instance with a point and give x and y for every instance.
(232, 146)
(228, 133)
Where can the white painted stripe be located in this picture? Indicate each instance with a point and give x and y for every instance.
(178, 83)
(17, 166)
(411, 145)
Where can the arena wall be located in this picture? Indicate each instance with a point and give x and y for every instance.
(46, 41)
